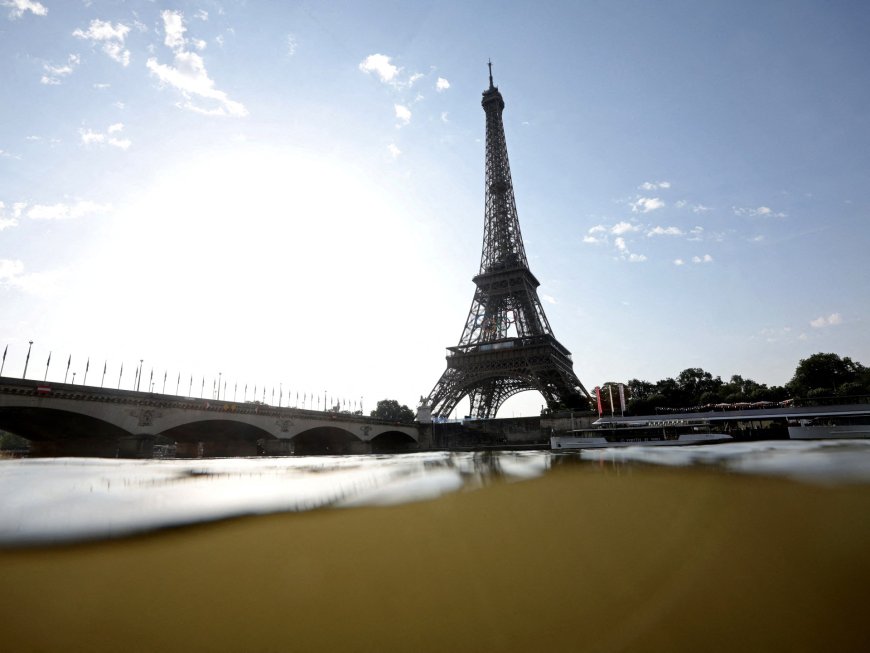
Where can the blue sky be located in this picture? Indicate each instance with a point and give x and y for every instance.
(291, 194)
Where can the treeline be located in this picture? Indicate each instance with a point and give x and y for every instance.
(820, 375)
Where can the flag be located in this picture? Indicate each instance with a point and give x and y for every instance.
(3, 364)
(622, 397)
(598, 397)
(610, 394)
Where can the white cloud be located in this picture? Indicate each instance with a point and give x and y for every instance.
(696, 233)
(700, 208)
(413, 78)
(111, 36)
(188, 74)
(173, 29)
(444, 117)
(441, 84)
(831, 320)
(395, 151)
(403, 113)
(679, 261)
(9, 268)
(44, 284)
(381, 66)
(7, 220)
(549, 299)
(110, 137)
(646, 204)
(202, 14)
(62, 211)
(291, 45)
(702, 259)
(654, 185)
(623, 228)
(592, 240)
(761, 211)
(627, 255)
(664, 231)
(53, 74)
(18, 7)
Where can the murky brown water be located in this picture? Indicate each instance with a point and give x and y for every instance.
(600, 556)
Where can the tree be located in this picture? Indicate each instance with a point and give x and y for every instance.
(390, 410)
(824, 374)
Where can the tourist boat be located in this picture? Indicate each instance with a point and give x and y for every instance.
(828, 428)
(664, 432)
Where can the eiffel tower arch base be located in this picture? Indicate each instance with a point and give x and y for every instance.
(491, 373)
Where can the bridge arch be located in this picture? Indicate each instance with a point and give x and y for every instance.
(50, 424)
(216, 429)
(326, 441)
(393, 442)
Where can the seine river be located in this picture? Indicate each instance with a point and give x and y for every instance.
(737, 546)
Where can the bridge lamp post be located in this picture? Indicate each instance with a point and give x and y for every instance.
(220, 375)
(139, 377)
(27, 360)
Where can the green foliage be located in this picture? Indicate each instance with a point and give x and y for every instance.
(389, 409)
(820, 375)
(828, 373)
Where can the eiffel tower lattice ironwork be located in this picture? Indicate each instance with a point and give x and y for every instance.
(507, 345)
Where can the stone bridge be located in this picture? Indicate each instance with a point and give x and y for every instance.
(64, 419)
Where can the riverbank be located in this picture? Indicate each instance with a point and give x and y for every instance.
(585, 558)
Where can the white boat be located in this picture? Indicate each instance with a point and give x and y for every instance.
(658, 433)
(830, 428)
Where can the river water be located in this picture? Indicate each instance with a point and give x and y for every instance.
(729, 547)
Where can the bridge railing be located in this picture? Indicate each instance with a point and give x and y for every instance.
(28, 387)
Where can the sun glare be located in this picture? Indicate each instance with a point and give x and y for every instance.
(253, 258)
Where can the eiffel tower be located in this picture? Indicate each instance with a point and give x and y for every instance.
(507, 345)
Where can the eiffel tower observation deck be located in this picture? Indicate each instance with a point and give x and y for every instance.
(507, 345)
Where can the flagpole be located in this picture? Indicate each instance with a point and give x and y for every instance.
(87, 366)
(103, 380)
(47, 363)
(120, 374)
(68, 361)
(27, 360)
(3, 364)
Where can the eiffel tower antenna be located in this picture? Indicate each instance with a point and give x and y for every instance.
(507, 345)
